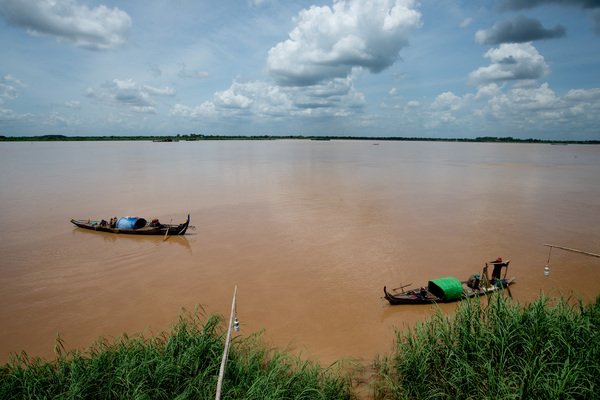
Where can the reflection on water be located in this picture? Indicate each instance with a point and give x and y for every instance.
(310, 232)
(157, 240)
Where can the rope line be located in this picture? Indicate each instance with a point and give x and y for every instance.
(572, 250)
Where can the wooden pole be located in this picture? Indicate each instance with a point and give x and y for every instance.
(226, 351)
(573, 250)
(167, 232)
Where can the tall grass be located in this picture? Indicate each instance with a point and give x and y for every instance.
(494, 349)
(549, 349)
(183, 364)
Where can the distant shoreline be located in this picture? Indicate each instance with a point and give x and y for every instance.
(193, 137)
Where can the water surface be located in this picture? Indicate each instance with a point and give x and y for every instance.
(310, 232)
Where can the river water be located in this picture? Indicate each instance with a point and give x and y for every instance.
(309, 231)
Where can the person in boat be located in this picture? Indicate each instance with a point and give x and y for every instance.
(423, 292)
(473, 281)
(113, 224)
(497, 272)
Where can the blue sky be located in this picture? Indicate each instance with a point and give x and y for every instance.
(520, 68)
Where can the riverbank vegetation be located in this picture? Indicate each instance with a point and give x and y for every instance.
(494, 349)
(183, 364)
(549, 349)
(197, 137)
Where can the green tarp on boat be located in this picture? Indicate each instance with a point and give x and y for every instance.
(446, 288)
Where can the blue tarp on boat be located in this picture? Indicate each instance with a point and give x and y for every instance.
(130, 223)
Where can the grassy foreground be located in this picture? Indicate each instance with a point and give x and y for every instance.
(495, 349)
(549, 349)
(181, 365)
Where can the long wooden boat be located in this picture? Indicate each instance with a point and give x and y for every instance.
(134, 226)
(445, 290)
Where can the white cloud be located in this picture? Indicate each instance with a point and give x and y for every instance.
(447, 101)
(328, 43)
(517, 112)
(164, 91)
(314, 70)
(259, 100)
(583, 95)
(98, 28)
(9, 88)
(512, 61)
(251, 99)
(129, 94)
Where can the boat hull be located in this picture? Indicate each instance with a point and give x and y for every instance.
(161, 229)
(414, 296)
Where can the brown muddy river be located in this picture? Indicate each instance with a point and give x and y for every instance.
(310, 232)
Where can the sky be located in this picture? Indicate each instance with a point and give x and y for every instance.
(377, 68)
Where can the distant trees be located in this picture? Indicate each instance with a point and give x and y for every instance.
(193, 136)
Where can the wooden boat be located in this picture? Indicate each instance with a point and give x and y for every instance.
(167, 140)
(445, 290)
(134, 226)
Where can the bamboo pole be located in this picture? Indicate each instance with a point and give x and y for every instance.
(573, 250)
(226, 351)
(167, 232)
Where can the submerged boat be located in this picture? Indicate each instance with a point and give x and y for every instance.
(446, 290)
(134, 226)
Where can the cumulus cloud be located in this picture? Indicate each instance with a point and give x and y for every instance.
(515, 5)
(447, 101)
(518, 30)
(583, 95)
(99, 28)
(240, 99)
(511, 61)
(129, 95)
(10, 88)
(539, 108)
(328, 43)
(260, 100)
(527, 111)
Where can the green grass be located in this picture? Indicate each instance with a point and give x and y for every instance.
(549, 349)
(489, 349)
(183, 364)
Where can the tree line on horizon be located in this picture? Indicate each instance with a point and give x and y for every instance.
(195, 137)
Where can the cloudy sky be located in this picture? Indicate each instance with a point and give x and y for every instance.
(429, 68)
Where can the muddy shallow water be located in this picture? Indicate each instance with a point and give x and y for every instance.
(310, 232)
